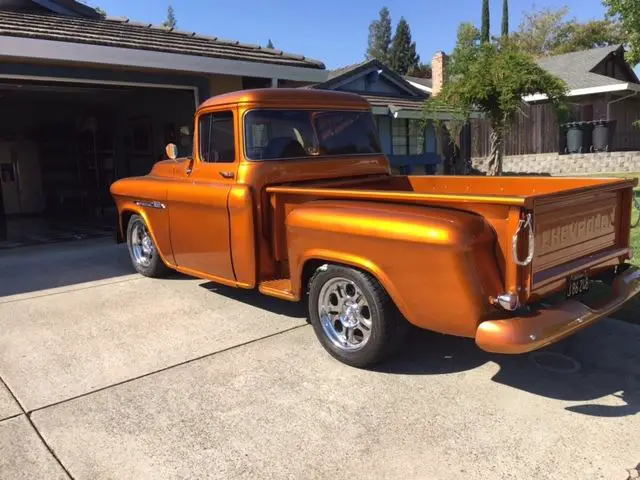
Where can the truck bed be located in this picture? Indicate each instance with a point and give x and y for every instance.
(579, 224)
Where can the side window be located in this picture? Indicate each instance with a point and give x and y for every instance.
(217, 142)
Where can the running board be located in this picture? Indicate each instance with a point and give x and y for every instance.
(280, 288)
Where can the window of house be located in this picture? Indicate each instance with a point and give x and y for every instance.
(408, 137)
(217, 141)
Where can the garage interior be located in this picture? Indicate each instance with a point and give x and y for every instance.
(63, 144)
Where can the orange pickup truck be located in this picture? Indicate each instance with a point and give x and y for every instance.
(288, 192)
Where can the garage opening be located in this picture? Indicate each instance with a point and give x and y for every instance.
(62, 145)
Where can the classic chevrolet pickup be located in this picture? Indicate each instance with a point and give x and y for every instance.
(288, 192)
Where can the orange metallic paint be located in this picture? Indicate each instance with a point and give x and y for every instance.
(199, 219)
(441, 246)
(435, 253)
(149, 189)
(243, 235)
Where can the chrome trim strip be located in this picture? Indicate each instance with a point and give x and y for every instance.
(154, 204)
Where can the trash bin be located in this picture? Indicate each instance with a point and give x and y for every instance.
(587, 134)
(600, 136)
(575, 137)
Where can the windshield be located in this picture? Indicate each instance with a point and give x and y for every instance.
(279, 134)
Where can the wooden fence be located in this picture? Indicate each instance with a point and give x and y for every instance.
(536, 129)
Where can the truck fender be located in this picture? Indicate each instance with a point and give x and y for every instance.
(438, 265)
(325, 256)
(128, 209)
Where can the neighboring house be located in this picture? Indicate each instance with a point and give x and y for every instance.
(602, 86)
(424, 84)
(397, 106)
(86, 100)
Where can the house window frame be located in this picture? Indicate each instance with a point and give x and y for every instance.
(408, 136)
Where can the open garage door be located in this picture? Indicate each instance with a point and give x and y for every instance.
(62, 145)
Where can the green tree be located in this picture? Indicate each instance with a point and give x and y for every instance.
(171, 21)
(402, 55)
(628, 13)
(421, 70)
(380, 37)
(505, 18)
(486, 22)
(99, 11)
(270, 44)
(492, 78)
(584, 36)
(552, 32)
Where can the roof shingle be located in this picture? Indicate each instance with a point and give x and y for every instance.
(123, 33)
(425, 82)
(575, 68)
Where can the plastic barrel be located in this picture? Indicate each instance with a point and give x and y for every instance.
(600, 136)
(575, 137)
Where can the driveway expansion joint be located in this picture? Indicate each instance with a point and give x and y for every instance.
(28, 417)
(164, 369)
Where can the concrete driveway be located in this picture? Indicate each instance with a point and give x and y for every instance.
(106, 374)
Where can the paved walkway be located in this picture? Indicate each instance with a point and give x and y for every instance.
(106, 374)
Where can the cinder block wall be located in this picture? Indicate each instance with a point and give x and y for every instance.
(577, 164)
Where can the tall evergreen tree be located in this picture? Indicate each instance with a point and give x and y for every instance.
(485, 34)
(171, 21)
(270, 44)
(403, 56)
(380, 37)
(505, 18)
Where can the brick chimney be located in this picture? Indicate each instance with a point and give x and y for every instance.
(438, 71)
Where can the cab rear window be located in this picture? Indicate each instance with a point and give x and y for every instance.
(282, 134)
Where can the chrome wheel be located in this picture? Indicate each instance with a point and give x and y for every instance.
(344, 314)
(142, 245)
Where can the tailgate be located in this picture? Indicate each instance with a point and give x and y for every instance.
(575, 231)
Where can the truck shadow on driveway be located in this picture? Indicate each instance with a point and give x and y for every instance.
(256, 299)
(607, 353)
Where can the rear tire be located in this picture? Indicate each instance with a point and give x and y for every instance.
(353, 316)
(143, 252)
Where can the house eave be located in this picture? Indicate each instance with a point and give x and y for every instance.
(419, 86)
(616, 87)
(17, 48)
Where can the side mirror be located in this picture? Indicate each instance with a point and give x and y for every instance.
(172, 151)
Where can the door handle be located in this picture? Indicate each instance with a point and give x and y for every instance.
(226, 174)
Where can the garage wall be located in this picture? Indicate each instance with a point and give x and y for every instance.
(219, 84)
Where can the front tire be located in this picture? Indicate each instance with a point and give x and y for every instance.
(143, 252)
(353, 316)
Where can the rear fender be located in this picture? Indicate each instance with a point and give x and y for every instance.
(343, 258)
(438, 265)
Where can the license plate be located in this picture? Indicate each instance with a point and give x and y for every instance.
(576, 285)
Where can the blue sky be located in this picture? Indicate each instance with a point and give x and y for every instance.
(334, 31)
